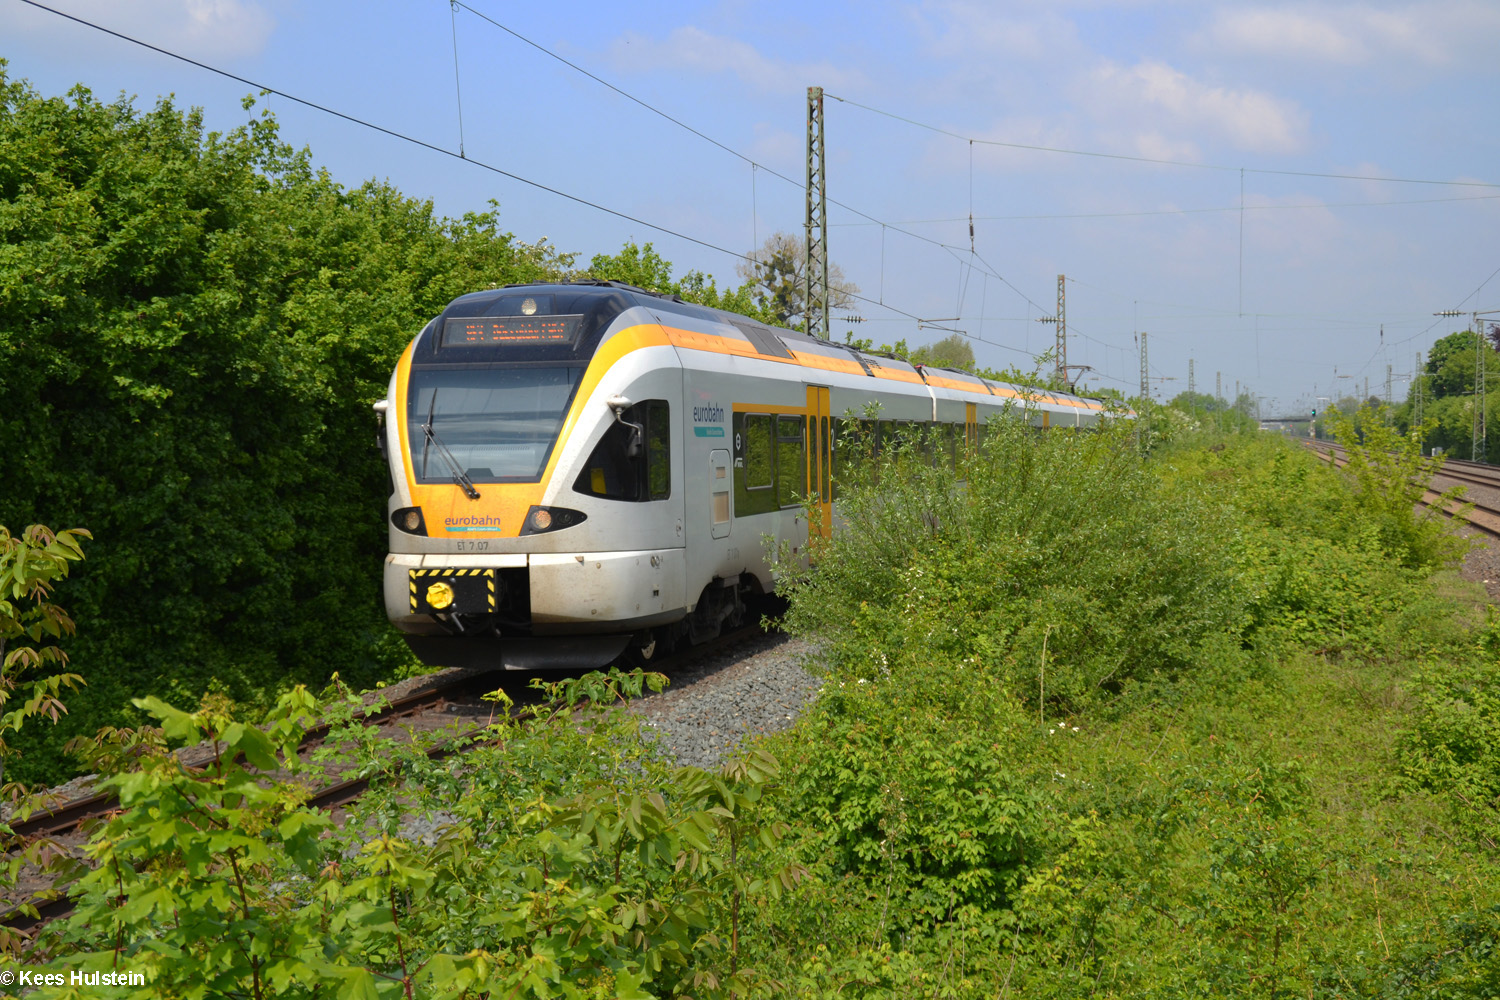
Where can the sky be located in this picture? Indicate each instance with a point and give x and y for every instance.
(1280, 195)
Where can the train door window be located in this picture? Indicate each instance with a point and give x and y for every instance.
(758, 451)
(791, 461)
(615, 474)
(826, 488)
(754, 464)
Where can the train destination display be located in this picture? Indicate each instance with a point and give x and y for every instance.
(475, 331)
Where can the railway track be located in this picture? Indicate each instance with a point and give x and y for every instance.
(459, 690)
(1482, 516)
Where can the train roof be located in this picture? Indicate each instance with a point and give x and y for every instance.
(599, 302)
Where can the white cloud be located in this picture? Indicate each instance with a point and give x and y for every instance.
(960, 27)
(1157, 103)
(695, 50)
(778, 146)
(1304, 236)
(204, 29)
(1433, 33)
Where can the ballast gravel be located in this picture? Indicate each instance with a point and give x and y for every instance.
(756, 687)
(1482, 562)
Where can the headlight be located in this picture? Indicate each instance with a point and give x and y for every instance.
(409, 520)
(543, 519)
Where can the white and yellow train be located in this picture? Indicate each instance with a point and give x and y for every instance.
(586, 469)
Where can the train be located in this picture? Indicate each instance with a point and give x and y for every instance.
(585, 471)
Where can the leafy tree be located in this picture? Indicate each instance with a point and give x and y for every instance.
(643, 267)
(192, 328)
(1450, 364)
(778, 274)
(952, 351)
(1191, 401)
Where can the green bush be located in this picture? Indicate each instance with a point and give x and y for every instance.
(1061, 565)
(562, 859)
(1452, 746)
(192, 329)
(1389, 476)
(908, 793)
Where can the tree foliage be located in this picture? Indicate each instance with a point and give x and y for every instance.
(643, 267)
(953, 351)
(1450, 364)
(1446, 387)
(778, 275)
(192, 328)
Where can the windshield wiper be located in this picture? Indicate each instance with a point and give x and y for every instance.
(459, 475)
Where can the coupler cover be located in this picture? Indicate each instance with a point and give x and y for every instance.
(451, 591)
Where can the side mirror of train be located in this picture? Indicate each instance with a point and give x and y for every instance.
(618, 405)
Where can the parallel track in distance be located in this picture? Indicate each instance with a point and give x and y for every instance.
(1483, 517)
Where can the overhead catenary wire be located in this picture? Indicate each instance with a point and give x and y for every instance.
(1155, 160)
(392, 133)
(1145, 213)
(432, 147)
(952, 249)
(457, 89)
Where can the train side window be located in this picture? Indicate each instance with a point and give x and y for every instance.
(791, 461)
(758, 452)
(658, 449)
(613, 473)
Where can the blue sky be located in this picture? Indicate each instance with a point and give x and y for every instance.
(1285, 291)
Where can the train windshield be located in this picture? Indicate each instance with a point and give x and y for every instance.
(499, 424)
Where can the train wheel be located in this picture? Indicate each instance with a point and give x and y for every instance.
(643, 649)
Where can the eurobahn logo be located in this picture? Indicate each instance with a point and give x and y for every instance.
(482, 522)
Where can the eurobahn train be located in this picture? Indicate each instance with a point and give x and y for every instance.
(584, 470)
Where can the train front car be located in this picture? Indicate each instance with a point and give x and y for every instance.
(536, 518)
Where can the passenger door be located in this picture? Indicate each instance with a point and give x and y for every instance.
(719, 482)
(820, 460)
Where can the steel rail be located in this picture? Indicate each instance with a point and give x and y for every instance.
(1481, 517)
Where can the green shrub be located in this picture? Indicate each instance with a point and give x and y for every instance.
(1452, 746)
(563, 859)
(1389, 476)
(1059, 564)
(192, 329)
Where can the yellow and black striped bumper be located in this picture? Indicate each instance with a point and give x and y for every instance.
(452, 591)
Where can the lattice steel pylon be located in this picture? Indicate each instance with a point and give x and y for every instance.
(815, 284)
(1192, 385)
(1145, 370)
(1062, 329)
(1416, 401)
(1480, 448)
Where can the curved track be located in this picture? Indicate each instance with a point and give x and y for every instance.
(448, 694)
